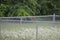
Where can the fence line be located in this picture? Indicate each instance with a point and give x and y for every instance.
(53, 20)
(28, 16)
(20, 18)
(32, 16)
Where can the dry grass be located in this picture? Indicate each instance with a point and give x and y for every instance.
(50, 33)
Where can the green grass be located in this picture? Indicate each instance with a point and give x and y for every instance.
(27, 31)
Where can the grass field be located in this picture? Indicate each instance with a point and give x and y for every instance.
(27, 31)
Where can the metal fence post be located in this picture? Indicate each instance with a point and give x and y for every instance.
(54, 17)
(54, 20)
(36, 30)
(20, 26)
(21, 23)
(0, 30)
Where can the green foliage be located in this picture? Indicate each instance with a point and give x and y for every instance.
(29, 7)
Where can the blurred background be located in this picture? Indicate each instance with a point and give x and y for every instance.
(9, 8)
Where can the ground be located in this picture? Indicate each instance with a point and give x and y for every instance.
(27, 31)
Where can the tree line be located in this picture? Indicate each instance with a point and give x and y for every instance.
(29, 7)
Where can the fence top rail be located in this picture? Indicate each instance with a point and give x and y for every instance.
(31, 16)
(29, 21)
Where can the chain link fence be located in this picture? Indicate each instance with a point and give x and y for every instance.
(30, 28)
